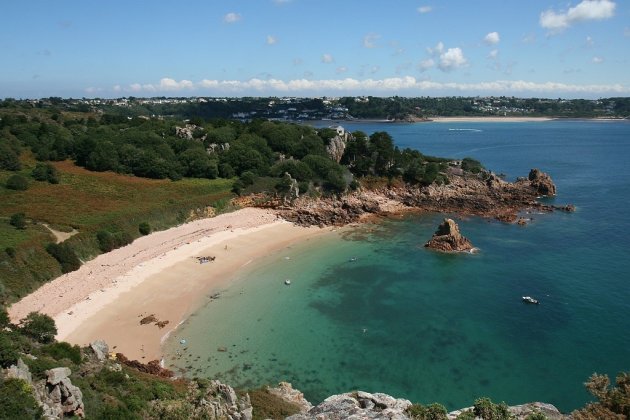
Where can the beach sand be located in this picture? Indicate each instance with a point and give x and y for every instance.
(490, 119)
(157, 275)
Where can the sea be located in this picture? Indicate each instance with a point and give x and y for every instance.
(369, 308)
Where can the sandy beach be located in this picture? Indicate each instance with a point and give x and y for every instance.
(157, 275)
(490, 119)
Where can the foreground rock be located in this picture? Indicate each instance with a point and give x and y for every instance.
(286, 392)
(465, 194)
(357, 405)
(521, 412)
(448, 239)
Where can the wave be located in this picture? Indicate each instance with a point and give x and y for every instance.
(465, 129)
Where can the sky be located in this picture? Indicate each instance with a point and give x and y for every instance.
(312, 48)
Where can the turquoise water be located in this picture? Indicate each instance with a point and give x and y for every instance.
(449, 328)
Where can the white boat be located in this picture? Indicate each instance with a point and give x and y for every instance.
(287, 282)
(529, 299)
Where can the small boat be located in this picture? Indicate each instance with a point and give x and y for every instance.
(528, 299)
(287, 282)
(353, 259)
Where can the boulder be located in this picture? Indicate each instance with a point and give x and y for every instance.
(358, 405)
(285, 391)
(20, 371)
(448, 239)
(100, 349)
(521, 412)
(58, 397)
(336, 147)
(541, 182)
(54, 376)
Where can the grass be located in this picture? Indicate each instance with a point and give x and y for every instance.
(89, 202)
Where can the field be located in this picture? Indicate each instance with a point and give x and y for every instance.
(88, 202)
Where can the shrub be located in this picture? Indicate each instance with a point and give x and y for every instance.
(8, 351)
(471, 165)
(17, 402)
(487, 410)
(613, 402)
(4, 318)
(45, 172)
(18, 220)
(65, 255)
(9, 159)
(17, 183)
(108, 241)
(39, 327)
(268, 406)
(433, 411)
(144, 228)
(10, 251)
(63, 350)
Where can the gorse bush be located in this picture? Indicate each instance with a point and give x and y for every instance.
(144, 228)
(18, 220)
(65, 255)
(45, 172)
(108, 241)
(17, 183)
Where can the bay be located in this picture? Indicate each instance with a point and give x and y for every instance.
(369, 308)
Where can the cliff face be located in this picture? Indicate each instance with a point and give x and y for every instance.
(447, 238)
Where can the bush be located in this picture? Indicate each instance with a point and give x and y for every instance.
(9, 159)
(63, 350)
(18, 220)
(17, 402)
(487, 410)
(108, 241)
(471, 165)
(433, 411)
(39, 327)
(613, 402)
(144, 228)
(8, 351)
(17, 183)
(65, 255)
(45, 172)
(4, 318)
(10, 251)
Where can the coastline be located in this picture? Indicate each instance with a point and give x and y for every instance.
(489, 119)
(157, 275)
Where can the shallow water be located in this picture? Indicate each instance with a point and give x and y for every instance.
(431, 327)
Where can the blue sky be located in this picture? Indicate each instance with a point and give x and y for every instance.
(528, 48)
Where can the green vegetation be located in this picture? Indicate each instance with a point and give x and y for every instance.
(17, 183)
(612, 402)
(65, 255)
(268, 406)
(39, 327)
(18, 220)
(433, 411)
(144, 228)
(17, 401)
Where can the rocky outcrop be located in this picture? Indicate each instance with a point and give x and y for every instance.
(153, 367)
(58, 396)
(286, 392)
(541, 182)
(293, 189)
(447, 238)
(19, 371)
(357, 405)
(188, 132)
(485, 195)
(336, 147)
(217, 401)
(100, 349)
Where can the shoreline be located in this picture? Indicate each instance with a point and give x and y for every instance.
(158, 275)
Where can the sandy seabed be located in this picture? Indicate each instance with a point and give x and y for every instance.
(158, 275)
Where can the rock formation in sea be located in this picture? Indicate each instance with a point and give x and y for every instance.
(447, 238)
(541, 182)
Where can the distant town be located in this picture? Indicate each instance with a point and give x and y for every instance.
(336, 108)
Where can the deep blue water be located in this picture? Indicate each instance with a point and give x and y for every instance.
(449, 328)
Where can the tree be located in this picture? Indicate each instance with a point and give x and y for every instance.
(65, 255)
(18, 220)
(144, 228)
(9, 353)
(39, 327)
(9, 159)
(4, 318)
(17, 183)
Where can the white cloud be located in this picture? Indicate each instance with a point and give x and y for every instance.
(407, 84)
(426, 64)
(369, 41)
(493, 54)
(585, 10)
(327, 58)
(232, 17)
(424, 9)
(492, 38)
(341, 69)
(438, 49)
(271, 40)
(598, 60)
(452, 59)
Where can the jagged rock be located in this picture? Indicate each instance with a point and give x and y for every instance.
(57, 395)
(100, 349)
(20, 371)
(293, 188)
(494, 182)
(336, 147)
(541, 182)
(57, 374)
(153, 367)
(357, 405)
(520, 412)
(225, 403)
(285, 391)
(447, 238)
